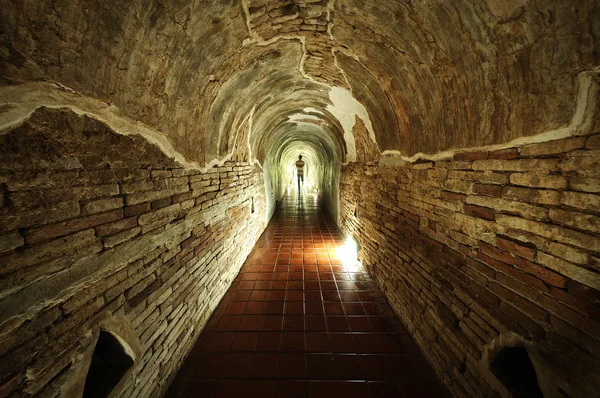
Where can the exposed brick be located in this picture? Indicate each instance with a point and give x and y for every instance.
(488, 190)
(542, 196)
(479, 212)
(159, 204)
(505, 154)
(516, 247)
(135, 210)
(542, 273)
(452, 196)
(48, 232)
(583, 201)
(117, 226)
(518, 301)
(593, 142)
(475, 155)
(553, 147)
(535, 180)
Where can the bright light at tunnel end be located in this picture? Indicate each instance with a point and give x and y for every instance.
(348, 253)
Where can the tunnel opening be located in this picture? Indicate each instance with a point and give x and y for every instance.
(110, 363)
(513, 367)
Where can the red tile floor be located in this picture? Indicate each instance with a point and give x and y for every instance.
(297, 322)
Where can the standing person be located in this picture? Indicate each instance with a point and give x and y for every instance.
(300, 171)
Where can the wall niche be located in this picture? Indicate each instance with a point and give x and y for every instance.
(106, 363)
(514, 369)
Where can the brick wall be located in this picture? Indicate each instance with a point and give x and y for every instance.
(96, 225)
(486, 249)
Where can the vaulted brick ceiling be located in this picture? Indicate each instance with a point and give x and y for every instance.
(426, 75)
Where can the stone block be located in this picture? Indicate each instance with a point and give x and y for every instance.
(42, 234)
(518, 248)
(42, 216)
(120, 237)
(479, 212)
(540, 272)
(583, 201)
(576, 220)
(586, 184)
(553, 147)
(551, 231)
(540, 165)
(488, 190)
(103, 205)
(117, 226)
(565, 252)
(11, 241)
(475, 155)
(448, 195)
(585, 163)
(535, 180)
(504, 154)
(507, 206)
(593, 142)
(541, 196)
(570, 270)
(135, 210)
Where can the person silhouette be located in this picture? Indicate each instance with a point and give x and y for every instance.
(300, 171)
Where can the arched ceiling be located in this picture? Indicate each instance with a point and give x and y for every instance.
(423, 76)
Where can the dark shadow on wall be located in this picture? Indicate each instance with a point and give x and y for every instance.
(110, 363)
(513, 367)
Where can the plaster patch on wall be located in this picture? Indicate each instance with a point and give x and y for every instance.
(581, 124)
(301, 118)
(19, 103)
(345, 108)
(312, 110)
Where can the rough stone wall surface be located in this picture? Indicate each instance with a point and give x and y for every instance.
(433, 75)
(94, 225)
(486, 249)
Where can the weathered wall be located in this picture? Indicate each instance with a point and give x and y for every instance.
(95, 225)
(489, 248)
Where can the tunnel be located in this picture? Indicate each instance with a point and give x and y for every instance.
(444, 239)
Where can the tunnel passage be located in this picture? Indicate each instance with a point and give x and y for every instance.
(144, 147)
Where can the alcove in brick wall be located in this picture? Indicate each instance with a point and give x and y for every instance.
(111, 360)
(513, 367)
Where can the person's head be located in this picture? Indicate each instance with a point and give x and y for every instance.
(300, 157)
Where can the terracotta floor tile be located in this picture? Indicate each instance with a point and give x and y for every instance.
(386, 389)
(268, 341)
(198, 389)
(220, 341)
(250, 323)
(291, 389)
(294, 308)
(297, 322)
(230, 389)
(208, 366)
(235, 308)
(347, 367)
(292, 366)
(274, 308)
(265, 365)
(255, 308)
(293, 341)
(320, 366)
(353, 389)
(272, 323)
(229, 323)
(333, 308)
(261, 389)
(244, 341)
(375, 367)
(237, 366)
